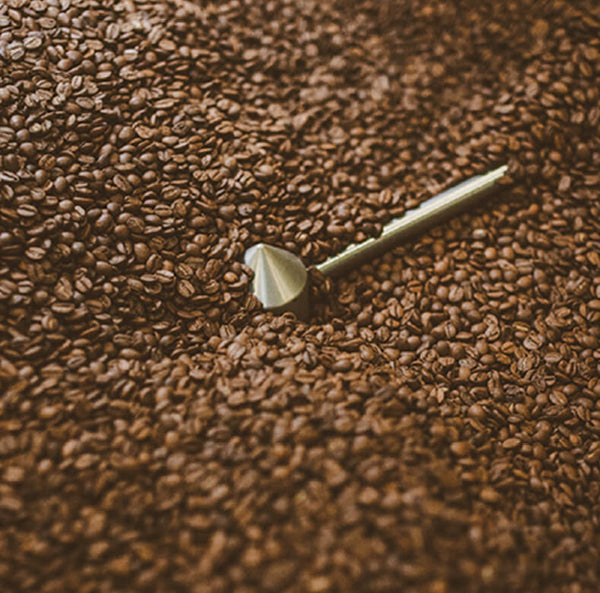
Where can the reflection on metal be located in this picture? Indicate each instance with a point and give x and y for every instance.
(280, 278)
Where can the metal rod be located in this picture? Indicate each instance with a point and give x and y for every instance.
(429, 213)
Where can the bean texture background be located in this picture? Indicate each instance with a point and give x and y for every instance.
(436, 426)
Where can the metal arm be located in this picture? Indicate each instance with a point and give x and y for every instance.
(426, 215)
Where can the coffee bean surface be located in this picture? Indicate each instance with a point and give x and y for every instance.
(434, 428)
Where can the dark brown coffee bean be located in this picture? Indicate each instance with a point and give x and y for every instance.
(103, 222)
(185, 288)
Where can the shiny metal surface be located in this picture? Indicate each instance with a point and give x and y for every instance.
(280, 278)
(426, 215)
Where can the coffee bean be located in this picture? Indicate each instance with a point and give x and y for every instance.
(185, 288)
(103, 222)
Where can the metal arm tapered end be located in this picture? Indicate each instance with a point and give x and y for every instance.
(280, 279)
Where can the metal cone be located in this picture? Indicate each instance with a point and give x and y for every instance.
(280, 279)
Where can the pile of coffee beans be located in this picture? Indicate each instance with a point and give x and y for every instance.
(435, 428)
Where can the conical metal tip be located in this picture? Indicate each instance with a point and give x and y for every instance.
(280, 279)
